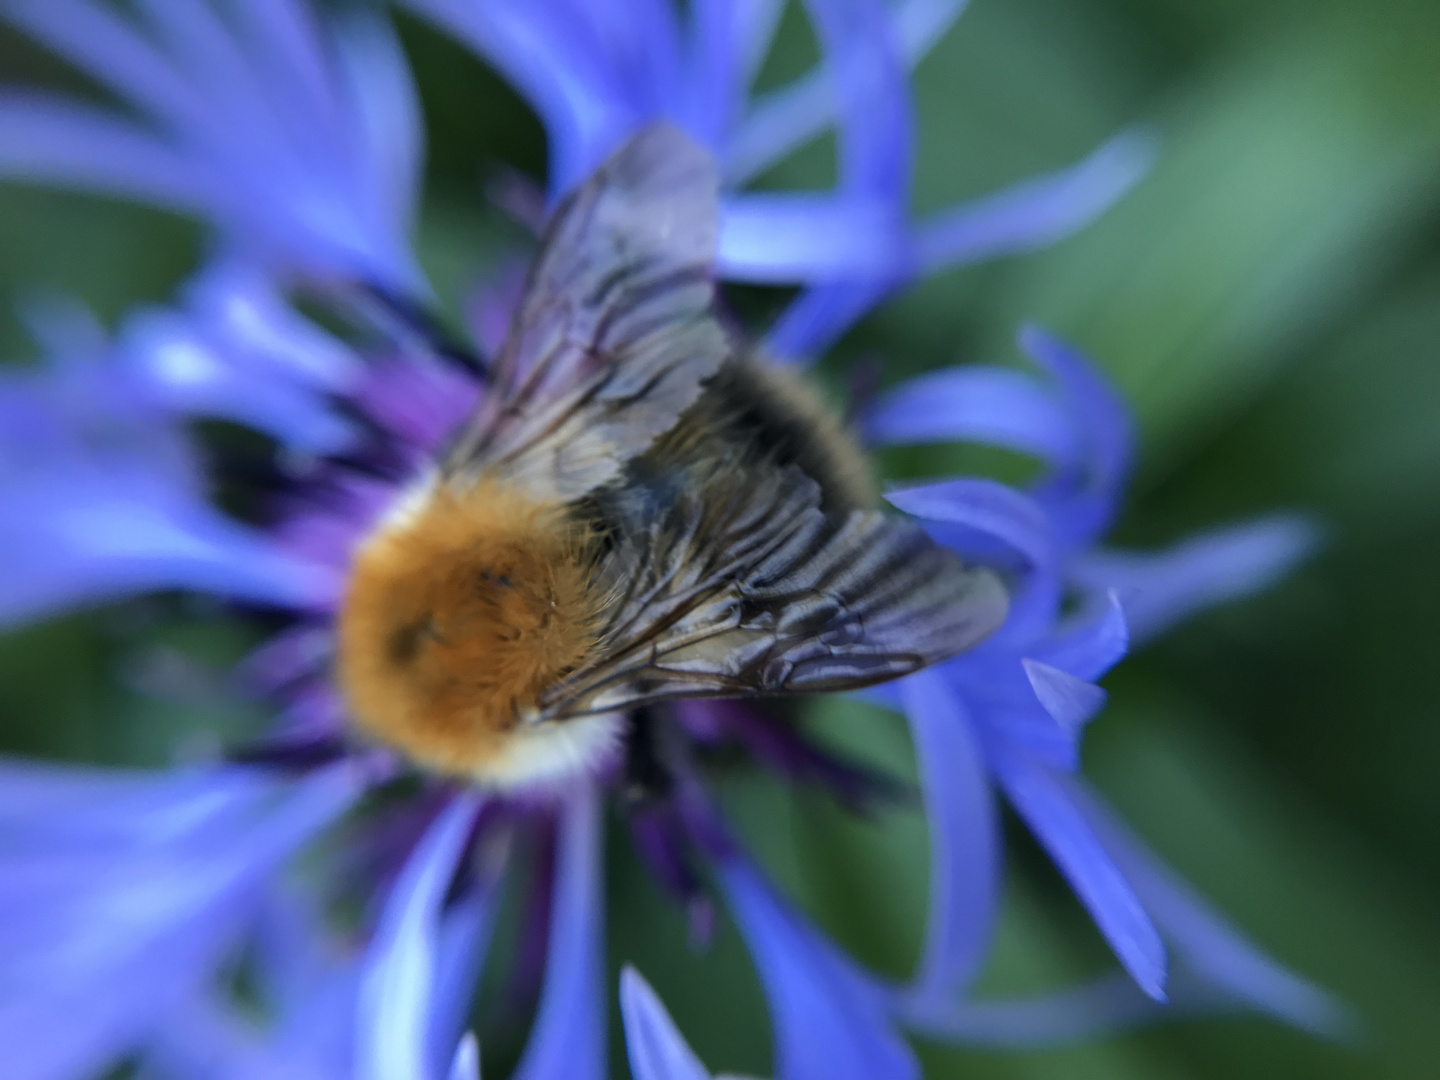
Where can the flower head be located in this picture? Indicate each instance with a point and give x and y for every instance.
(296, 139)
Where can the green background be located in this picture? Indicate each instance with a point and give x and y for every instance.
(1269, 302)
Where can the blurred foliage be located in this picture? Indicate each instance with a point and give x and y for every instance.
(1269, 300)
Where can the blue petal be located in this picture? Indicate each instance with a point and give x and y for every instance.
(720, 33)
(1030, 215)
(247, 308)
(308, 985)
(1089, 647)
(1072, 702)
(1035, 212)
(818, 316)
(568, 1039)
(297, 955)
(1083, 504)
(209, 1038)
(642, 49)
(1201, 938)
(1031, 731)
(61, 798)
(240, 352)
(78, 540)
(63, 326)
(286, 168)
(867, 78)
(463, 942)
(115, 907)
(1036, 600)
(830, 1020)
(789, 237)
(317, 1039)
(202, 53)
(977, 403)
(97, 40)
(392, 1023)
(1046, 720)
(98, 499)
(1102, 415)
(308, 981)
(919, 24)
(190, 374)
(1102, 1007)
(729, 41)
(785, 119)
(759, 20)
(466, 1065)
(656, 1049)
(1164, 588)
(48, 140)
(551, 59)
(289, 49)
(964, 836)
(389, 129)
(1051, 814)
(985, 506)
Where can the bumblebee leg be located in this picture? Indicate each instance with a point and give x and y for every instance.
(649, 776)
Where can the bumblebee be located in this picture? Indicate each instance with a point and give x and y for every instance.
(640, 510)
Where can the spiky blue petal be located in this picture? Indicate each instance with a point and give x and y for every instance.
(397, 996)
(568, 1039)
(120, 893)
(656, 1049)
(964, 830)
(830, 1019)
(100, 498)
(1160, 589)
(299, 140)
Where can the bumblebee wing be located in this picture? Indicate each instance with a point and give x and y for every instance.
(761, 593)
(614, 335)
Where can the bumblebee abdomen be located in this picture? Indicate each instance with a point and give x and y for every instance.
(756, 415)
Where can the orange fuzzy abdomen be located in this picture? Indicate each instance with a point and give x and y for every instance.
(457, 617)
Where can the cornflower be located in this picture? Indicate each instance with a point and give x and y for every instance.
(131, 897)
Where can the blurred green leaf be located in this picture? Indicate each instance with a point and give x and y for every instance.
(1292, 874)
(1294, 174)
